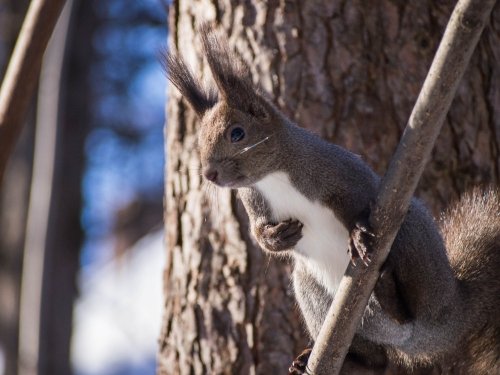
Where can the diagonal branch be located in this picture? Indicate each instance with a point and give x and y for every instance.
(22, 73)
(398, 185)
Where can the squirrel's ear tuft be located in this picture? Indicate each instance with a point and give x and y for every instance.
(181, 77)
(230, 73)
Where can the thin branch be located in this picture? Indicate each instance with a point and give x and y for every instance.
(22, 72)
(397, 188)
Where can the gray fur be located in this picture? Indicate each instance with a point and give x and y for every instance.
(422, 309)
(181, 76)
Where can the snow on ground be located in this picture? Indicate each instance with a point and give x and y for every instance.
(117, 318)
(2, 361)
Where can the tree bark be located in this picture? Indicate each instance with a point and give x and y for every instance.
(347, 70)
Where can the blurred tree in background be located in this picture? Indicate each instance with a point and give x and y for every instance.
(96, 186)
(349, 71)
(14, 197)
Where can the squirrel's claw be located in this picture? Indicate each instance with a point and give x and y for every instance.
(361, 240)
(281, 236)
(299, 365)
(364, 226)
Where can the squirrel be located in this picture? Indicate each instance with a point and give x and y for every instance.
(439, 290)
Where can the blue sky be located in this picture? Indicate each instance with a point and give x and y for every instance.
(125, 154)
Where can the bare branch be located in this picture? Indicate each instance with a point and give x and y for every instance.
(460, 38)
(22, 72)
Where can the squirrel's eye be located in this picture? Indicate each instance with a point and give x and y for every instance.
(237, 134)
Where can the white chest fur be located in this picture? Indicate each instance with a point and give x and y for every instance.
(324, 241)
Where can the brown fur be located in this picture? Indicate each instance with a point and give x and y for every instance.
(471, 230)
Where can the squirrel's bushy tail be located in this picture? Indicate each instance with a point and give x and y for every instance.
(471, 231)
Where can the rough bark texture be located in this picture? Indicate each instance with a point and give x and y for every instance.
(348, 70)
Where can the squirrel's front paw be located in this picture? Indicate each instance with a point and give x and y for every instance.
(299, 365)
(361, 239)
(281, 236)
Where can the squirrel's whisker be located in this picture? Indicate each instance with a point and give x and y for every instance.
(248, 148)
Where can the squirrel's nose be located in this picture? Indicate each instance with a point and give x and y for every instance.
(211, 174)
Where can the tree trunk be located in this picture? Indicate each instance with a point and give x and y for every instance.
(64, 236)
(349, 71)
(14, 196)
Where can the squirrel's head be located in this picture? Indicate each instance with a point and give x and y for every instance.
(240, 128)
